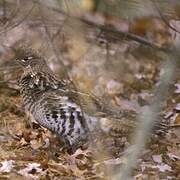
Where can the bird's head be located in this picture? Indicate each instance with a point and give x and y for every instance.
(29, 59)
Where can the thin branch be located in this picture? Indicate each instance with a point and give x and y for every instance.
(13, 14)
(50, 40)
(4, 10)
(117, 33)
(162, 17)
(120, 34)
(18, 23)
(11, 68)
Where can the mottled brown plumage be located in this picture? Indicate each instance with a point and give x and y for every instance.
(49, 100)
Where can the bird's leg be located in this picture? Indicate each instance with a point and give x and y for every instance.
(30, 121)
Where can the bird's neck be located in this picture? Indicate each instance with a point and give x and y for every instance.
(28, 87)
(40, 82)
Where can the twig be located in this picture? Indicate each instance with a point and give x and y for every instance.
(13, 14)
(163, 18)
(18, 23)
(49, 38)
(118, 34)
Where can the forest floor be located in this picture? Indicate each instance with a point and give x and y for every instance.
(122, 73)
(26, 153)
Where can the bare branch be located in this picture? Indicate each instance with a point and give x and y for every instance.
(117, 34)
(163, 18)
(18, 23)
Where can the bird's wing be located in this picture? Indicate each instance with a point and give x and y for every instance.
(60, 114)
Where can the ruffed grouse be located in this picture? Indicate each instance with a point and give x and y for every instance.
(50, 101)
(55, 104)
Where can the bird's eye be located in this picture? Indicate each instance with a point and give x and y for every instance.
(26, 59)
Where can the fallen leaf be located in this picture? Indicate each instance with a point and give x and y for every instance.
(173, 157)
(164, 167)
(177, 88)
(177, 119)
(32, 171)
(35, 144)
(177, 107)
(7, 166)
(157, 158)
